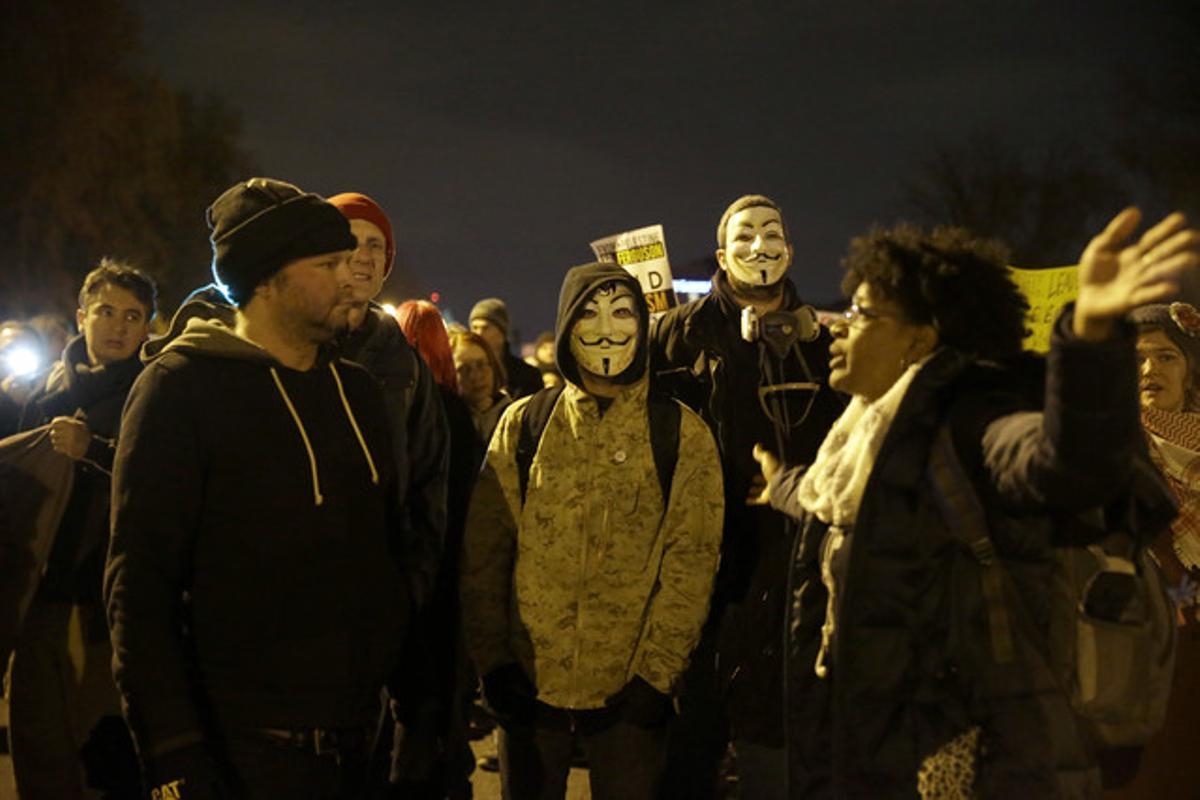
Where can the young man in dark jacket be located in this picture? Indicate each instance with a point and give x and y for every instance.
(260, 578)
(60, 690)
(489, 319)
(751, 359)
(420, 432)
(420, 435)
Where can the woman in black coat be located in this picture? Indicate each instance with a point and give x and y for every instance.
(884, 698)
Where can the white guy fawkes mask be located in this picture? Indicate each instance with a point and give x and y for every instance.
(756, 250)
(604, 338)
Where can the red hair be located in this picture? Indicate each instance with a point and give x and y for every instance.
(423, 327)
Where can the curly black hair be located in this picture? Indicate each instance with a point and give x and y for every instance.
(947, 278)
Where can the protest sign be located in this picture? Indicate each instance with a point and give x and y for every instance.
(643, 253)
(1047, 291)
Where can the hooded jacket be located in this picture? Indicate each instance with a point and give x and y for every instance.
(596, 579)
(256, 576)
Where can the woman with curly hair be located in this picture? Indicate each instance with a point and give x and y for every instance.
(887, 693)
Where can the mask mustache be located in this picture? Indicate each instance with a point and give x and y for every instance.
(605, 340)
(762, 257)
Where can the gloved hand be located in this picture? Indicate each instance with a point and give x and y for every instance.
(508, 694)
(188, 773)
(110, 761)
(641, 704)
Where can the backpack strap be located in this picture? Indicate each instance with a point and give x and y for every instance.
(664, 416)
(533, 423)
(967, 522)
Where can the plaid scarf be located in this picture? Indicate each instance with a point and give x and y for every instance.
(1175, 448)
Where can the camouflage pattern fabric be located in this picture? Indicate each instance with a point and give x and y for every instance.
(591, 583)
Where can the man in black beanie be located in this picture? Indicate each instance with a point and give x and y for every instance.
(489, 320)
(259, 581)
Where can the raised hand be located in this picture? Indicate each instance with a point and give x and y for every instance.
(1116, 277)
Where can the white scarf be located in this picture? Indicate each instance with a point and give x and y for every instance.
(832, 488)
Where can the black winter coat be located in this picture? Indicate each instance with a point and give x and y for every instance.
(898, 685)
(420, 435)
(72, 386)
(698, 355)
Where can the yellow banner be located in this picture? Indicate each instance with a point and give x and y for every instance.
(1047, 291)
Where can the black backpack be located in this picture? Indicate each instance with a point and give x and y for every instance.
(664, 436)
(1113, 660)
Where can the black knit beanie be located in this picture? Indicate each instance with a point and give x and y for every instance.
(258, 226)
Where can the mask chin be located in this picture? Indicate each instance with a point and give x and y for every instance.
(754, 291)
(607, 365)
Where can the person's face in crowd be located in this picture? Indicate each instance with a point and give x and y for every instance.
(475, 379)
(604, 337)
(491, 334)
(1162, 372)
(368, 262)
(114, 324)
(313, 296)
(756, 252)
(545, 353)
(873, 345)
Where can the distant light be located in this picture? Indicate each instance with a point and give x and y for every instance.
(22, 361)
(691, 286)
(435, 297)
(390, 309)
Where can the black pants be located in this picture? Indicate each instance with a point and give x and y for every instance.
(266, 769)
(624, 761)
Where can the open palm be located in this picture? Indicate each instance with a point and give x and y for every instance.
(1116, 276)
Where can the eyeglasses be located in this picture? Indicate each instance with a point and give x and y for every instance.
(856, 312)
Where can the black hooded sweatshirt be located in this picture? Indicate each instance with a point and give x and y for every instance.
(254, 577)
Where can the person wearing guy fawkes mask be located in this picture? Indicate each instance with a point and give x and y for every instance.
(584, 588)
(752, 359)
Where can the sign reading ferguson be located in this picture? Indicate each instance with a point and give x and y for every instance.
(643, 253)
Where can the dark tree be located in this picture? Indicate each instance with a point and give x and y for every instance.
(99, 156)
(1043, 207)
(1158, 112)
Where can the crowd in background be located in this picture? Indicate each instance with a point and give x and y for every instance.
(295, 538)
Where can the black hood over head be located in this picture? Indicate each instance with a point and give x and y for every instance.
(577, 287)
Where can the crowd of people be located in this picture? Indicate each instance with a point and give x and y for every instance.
(282, 548)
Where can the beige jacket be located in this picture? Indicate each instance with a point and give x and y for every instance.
(591, 583)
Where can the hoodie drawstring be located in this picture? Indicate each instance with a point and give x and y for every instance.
(312, 458)
(318, 498)
(354, 424)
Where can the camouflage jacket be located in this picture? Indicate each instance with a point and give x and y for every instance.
(591, 583)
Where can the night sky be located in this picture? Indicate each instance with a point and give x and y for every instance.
(502, 138)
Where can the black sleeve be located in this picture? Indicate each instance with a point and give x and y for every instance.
(157, 484)
(1079, 451)
(676, 365)
(429, 463)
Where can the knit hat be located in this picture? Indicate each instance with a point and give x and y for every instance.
(258, 226)
(493, 310)
(358, 206)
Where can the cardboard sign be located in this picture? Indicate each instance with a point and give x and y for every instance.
(643, 253)
(1047, 291)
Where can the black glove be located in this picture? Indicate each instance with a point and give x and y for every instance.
(509, 694)
(110, 761)
(641, 704)
(188, 773)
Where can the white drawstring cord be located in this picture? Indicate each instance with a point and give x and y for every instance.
(312, 458)
(354, 424)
